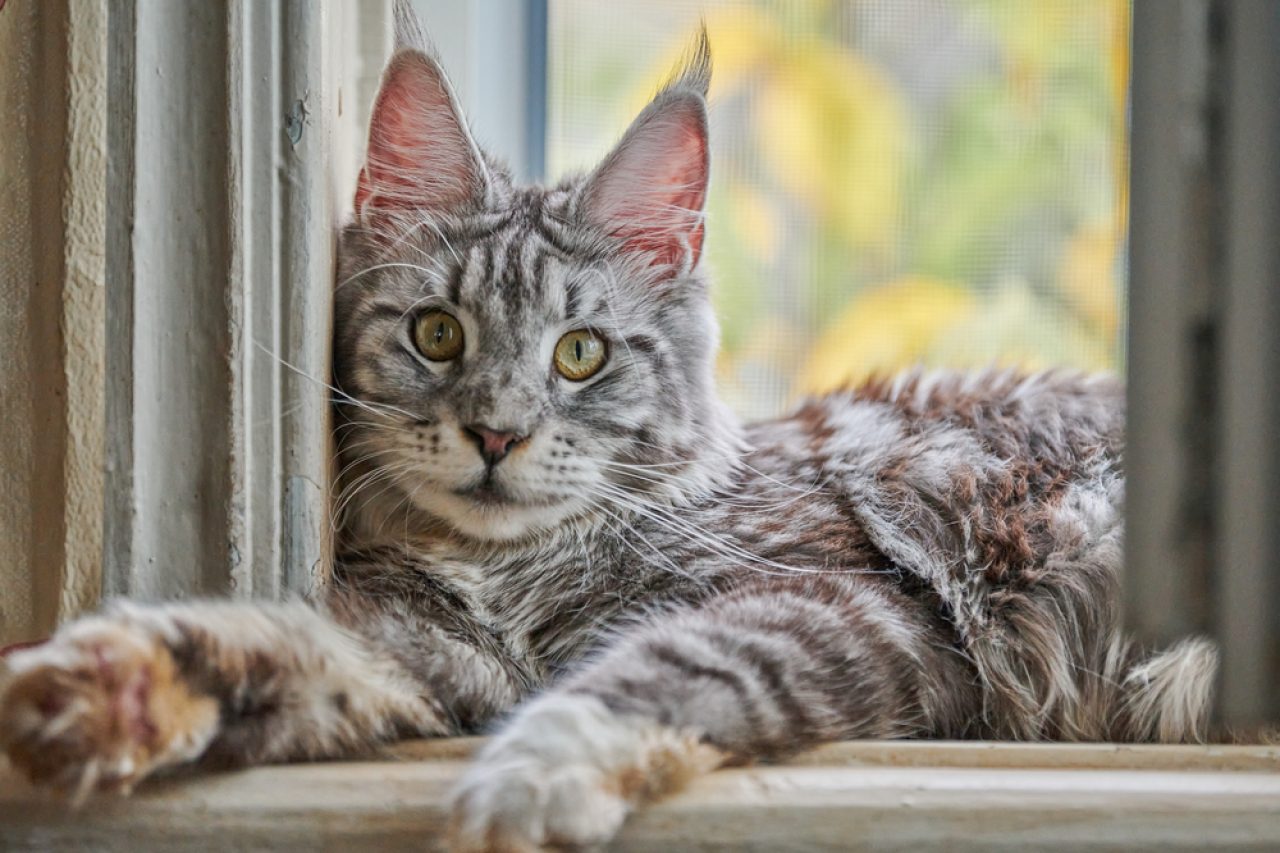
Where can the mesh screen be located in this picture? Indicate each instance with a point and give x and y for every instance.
(894, 182)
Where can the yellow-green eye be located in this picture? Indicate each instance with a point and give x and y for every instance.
(438, 335)
(579, 355)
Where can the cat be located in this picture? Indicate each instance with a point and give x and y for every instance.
(551, 525)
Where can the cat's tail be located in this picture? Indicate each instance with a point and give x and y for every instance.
(1168, 696)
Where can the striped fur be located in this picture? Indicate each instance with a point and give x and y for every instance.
(935, 555)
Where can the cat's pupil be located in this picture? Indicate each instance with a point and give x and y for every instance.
(577, 350)
(439, 332)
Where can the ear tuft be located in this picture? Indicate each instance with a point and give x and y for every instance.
(408, 30)
(693, 73)
(651, 189)
(420, 154)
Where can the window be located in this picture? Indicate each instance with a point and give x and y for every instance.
(893, 183)
(895, 180)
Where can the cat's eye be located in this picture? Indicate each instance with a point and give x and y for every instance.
(579, 355)
(438, 335)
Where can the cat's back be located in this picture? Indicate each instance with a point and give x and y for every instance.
(952, 472)
(1055, 418)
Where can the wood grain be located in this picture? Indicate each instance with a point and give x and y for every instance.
(904, 796)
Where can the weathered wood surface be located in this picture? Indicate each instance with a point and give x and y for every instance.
(912, 796)
(53, 212)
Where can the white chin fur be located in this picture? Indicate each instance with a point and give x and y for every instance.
(494, 523)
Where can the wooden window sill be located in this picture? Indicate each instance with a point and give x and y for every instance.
(905, 795)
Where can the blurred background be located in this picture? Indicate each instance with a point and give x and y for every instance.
(919, 181)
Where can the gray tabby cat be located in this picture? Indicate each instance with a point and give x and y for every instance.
(550, 523)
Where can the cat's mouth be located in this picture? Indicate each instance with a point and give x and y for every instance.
(490, 493)
(487, 493)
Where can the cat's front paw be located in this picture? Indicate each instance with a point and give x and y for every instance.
(566, 773)
(524, 804)
(100, 705)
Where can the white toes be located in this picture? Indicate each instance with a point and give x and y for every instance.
(524, 805)
(581, 809)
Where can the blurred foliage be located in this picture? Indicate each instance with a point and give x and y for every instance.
(894, 183)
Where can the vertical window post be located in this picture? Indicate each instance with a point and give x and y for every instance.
(1204, 372)
(219, 270)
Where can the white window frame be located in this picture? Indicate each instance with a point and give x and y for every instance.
(219, 262)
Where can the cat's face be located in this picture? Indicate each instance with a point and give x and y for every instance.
(524, 355)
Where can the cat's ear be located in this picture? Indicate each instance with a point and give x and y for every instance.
(650, 190)
(421, 156)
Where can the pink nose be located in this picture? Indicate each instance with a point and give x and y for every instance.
(493, 444)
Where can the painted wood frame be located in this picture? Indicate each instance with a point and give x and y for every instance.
(219, 268)
(888, 795)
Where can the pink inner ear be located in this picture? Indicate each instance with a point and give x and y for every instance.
(652, 192)
(419, 156)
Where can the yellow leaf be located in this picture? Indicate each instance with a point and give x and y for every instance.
(1087, 277)
(834, 132)
(755, 221)
(884, 331)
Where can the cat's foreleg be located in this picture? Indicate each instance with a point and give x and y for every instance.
(114, 697)
(762, 672)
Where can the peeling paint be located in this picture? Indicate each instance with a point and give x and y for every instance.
(295, 120)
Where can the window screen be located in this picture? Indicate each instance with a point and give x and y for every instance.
(894, 182)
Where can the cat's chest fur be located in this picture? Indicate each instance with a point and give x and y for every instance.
(551, 604)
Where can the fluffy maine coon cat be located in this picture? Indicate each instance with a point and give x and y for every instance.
(551, 524)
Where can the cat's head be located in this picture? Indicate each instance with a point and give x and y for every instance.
(526, 355)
